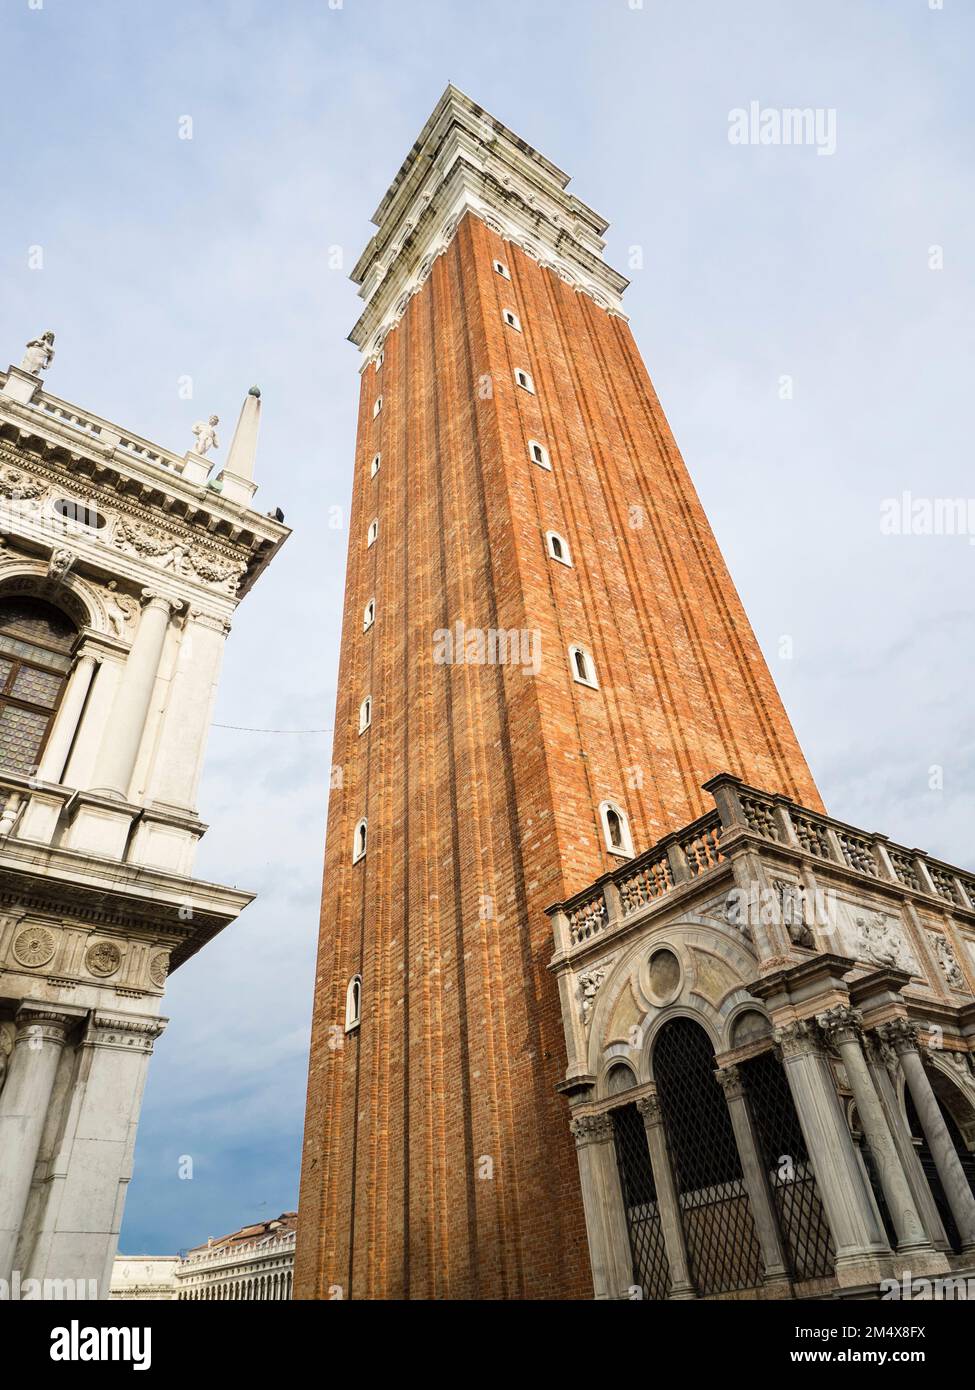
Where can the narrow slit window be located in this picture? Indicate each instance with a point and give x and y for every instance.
(539, 454)
(583, 667)
(353, 1003)
(359, 842)
(365, 714)
(616, 829)
(512, 320)
(377, 407)
(524, 380)
(374, 466)
(372, 535)
(369, 615)
(502, 270)
(558, 548)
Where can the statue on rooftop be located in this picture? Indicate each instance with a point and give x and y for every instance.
(39, 354)
(206, 435)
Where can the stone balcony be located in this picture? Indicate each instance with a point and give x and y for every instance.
(805, 883)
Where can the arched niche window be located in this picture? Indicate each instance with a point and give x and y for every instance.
(377, 407)
(583, 667)
(369, 615)
(616, 829)
(365, 714)
(374, 466)
(353, 1003)
(512, 319)
(558, 548)
(372, 535)
(35, 658)
(501, 269)
(524, 380)
(539, 454)
(359, 842)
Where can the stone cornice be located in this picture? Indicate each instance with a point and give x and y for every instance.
(466, 161)
(69, 451)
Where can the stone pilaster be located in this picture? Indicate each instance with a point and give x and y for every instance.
(609, 1242)
(23, 1109)
(860, 1244)
(681, 1284)
(777, 1279)
(842, 1029)
(901, 1035)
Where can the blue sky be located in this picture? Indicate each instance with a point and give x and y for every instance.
(209, 257)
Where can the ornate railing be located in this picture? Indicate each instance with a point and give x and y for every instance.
(698, 849)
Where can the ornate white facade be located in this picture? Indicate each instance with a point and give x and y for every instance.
(254, 1264)
(121, 565)
(141, 1277)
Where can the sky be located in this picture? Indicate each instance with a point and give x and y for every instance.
(806, 318)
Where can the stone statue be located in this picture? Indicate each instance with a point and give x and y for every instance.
(39, 354)
(206, 435)
(589, 984)
(120, 609)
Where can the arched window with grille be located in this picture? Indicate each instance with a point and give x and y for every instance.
(35, 658)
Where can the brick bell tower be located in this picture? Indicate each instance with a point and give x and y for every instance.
(543, 659)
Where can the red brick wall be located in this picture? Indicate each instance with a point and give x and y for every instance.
(482, 784)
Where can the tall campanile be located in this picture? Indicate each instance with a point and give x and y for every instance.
(543, 658)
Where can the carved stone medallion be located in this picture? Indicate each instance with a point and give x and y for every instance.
(34, 946)
(159, 968)
(104, 958)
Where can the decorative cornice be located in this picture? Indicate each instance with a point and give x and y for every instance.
(466, 161)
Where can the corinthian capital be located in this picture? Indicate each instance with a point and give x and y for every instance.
(731, 1082)
(840, 1024)
(900, 1034)
(591, 1129)
(798, 1039)
(649, 1108)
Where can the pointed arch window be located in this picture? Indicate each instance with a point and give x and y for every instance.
(616, 829)
(353, 1004)
(359, 842)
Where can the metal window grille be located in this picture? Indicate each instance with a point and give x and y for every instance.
(650, 1268)
(722, 1245)
(795, 1196)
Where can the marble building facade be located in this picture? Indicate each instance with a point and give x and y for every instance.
(770, 1027)
(121, 566)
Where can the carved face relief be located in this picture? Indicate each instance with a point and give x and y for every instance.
(104, 958)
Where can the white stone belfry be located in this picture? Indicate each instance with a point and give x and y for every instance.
(120, 571)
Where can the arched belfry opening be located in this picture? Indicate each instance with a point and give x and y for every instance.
(723, 1248)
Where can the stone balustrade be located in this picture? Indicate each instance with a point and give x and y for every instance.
(742, 812)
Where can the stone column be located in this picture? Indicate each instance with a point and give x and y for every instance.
(89, 1172)
(756, 1181)
(55, 755)
(609, 1241)
(186, 721)
(842, 1028)
(859, 1241)
(901, 1035)
(681, 1285)
(23, 1111)
(120, 745)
